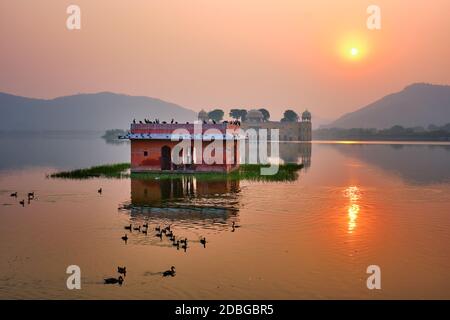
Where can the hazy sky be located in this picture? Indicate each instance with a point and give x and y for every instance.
(275, 54)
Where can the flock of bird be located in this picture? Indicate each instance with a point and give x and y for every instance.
(159, 232)
(157, 121)
(22, 202)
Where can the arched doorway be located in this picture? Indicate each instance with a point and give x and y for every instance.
(166, 161)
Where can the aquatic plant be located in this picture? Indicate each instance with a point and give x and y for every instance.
(105, 171)
(252, 172)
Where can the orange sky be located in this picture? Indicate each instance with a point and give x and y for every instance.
(275, 54)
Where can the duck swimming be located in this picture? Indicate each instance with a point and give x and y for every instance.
(114, 280)
(122, 270)
(137, 228)
(128, 227)
(125, 238)
(170, 272)
(22, 203)
(100, 190)
(203, 242)
(14, 194)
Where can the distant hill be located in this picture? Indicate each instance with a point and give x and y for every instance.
(98, 111)
(417, 105)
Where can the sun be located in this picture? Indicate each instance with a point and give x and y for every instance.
(354, 51)
(353, 47)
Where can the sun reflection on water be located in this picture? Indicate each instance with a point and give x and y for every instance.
(353, 194)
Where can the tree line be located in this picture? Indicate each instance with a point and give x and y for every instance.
(241, 114)
(397, 132)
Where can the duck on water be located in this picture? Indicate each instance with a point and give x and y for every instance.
(170, 272)
(114, 280)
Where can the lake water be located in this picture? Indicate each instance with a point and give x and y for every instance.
(353, 205)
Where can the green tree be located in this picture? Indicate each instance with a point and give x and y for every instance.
(235, 113)
(266, 114)
(238, 114)
(216, 115)
(290, 116)
(243, 114)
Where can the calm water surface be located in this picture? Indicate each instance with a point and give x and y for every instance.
(353, 205)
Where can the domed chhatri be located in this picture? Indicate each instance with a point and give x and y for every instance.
(306, 116)
(203, 115)
(254, 116)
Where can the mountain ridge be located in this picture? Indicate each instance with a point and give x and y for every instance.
(418, 104)
(84, 111)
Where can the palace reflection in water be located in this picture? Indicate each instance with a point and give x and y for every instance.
(184, 199)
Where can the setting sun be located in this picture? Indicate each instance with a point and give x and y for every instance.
(353, 46)
(354, 51)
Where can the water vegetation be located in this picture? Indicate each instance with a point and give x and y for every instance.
(252, 172)
(116, 170)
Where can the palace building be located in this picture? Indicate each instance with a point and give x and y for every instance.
(152, 147)
(288, 131)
